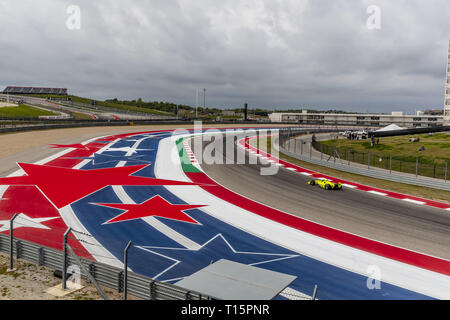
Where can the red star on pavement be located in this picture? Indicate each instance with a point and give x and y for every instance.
(76, 146)
(156, 206)
(63, 186)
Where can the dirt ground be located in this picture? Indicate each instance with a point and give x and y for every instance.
(30, 282)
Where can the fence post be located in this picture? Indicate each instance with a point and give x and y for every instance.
(120, 281)
(64, 266)
(11, 243)
(445, 173)
(125, 270)
(417, 165)
(40, 256)
(368, 160)
(390, 163)
(310, 150)
(314, 292)
(152, 290)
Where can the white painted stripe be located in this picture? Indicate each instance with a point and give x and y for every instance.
(292, 169)
(122, 195)
(414, 201)
(349, 185)
(55, 156)
(305, 173)
(89, 242)
(378, 193)
(172, 234)
(82, 164)
(3, 190)
(293, 294)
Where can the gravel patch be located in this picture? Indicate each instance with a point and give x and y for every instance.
(30, 281)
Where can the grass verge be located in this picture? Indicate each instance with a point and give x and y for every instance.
(436, 147)
(23, 111)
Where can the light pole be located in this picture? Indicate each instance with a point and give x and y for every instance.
(196, 104)
(204, 98)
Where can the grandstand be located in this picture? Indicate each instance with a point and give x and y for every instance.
(34, 90)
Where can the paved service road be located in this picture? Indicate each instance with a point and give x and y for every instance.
(411, 226)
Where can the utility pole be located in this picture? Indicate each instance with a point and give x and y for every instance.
(196, 104)
(204, 98)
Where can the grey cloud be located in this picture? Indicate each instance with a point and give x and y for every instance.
(283, 53)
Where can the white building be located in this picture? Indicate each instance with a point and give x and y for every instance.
(381, 120)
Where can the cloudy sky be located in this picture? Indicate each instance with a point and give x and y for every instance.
(269, 53)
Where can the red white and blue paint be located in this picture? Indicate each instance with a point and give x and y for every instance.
(111, 190)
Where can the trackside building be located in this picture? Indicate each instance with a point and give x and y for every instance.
(398, 118)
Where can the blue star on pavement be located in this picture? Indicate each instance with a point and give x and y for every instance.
(189, 261)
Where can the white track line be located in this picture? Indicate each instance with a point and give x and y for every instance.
(377, 193)
(414, 201)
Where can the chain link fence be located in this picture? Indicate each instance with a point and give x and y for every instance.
(418, 166)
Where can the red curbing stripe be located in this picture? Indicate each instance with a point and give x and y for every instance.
(385, 250)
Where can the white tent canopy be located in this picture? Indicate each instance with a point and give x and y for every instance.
(390, 127)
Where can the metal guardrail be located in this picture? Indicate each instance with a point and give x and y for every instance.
(369, 172)
(106, 275)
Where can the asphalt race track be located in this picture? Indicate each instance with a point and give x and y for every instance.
(148, 188)
(399, 223)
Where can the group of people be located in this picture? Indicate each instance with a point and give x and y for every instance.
(353, 136)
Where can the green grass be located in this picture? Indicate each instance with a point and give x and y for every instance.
(23, 111)
(81, 116)
(437, 147)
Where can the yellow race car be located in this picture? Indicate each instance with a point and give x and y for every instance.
(326, 184)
